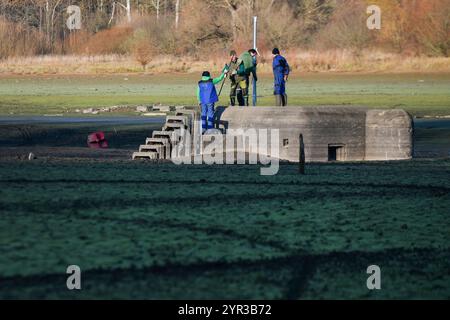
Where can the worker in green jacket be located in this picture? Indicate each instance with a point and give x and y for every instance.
(246, 66)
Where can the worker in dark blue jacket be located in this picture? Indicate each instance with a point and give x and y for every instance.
(207, 97)
(281, 73)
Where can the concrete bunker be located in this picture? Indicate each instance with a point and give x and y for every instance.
(330, 133)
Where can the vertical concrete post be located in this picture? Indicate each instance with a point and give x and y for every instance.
(255, 26)
(302, 158)
(197, 141)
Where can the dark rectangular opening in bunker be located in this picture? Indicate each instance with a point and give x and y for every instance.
(336, 152)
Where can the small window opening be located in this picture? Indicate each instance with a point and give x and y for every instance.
(336, 152)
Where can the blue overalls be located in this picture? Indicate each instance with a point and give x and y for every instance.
(280, 69)
(208, 98)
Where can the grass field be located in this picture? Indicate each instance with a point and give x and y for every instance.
(420, 94)
(141, 230)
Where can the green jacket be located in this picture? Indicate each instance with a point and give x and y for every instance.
(215, 81)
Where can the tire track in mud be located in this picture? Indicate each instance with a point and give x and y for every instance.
(214, 230)
(302, 266)
(115, 203)
(231, 182)
(360, 260)
(306, 193)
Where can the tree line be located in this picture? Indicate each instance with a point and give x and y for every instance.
(199, 27)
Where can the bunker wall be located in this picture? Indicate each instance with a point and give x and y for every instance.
(322, 128)
(389, 135)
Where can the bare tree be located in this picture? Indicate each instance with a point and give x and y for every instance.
(126, 6)
(240, 12)
(177, 13)
(156, 5)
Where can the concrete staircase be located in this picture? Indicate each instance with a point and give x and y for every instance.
(160, 145)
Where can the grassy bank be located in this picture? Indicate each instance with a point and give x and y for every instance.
(420, 94)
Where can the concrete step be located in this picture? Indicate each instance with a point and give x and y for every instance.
(158, 141)
(145, 155)
(170, 135)
(184, 120)
(178, 119)
(189, 114)
(173, 126)
(185, 112)
(153, 148)
(163, 142)
(194, 117)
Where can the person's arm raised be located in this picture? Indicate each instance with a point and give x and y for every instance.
(219, 79)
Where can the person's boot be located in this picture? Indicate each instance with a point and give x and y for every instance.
(245, 96)
(278, 100)
(240, 98)
(232, 101)
(285, 100)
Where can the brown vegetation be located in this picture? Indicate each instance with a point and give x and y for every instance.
(320, 30)
(336, 60)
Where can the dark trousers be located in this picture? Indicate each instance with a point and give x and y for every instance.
(239, 90)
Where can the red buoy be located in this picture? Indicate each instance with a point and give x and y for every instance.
(97, 140)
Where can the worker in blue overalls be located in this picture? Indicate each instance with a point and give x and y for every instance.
(281, 71)
(207, 97)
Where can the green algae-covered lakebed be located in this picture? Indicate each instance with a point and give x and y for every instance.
(421, 94)
(161, 231)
